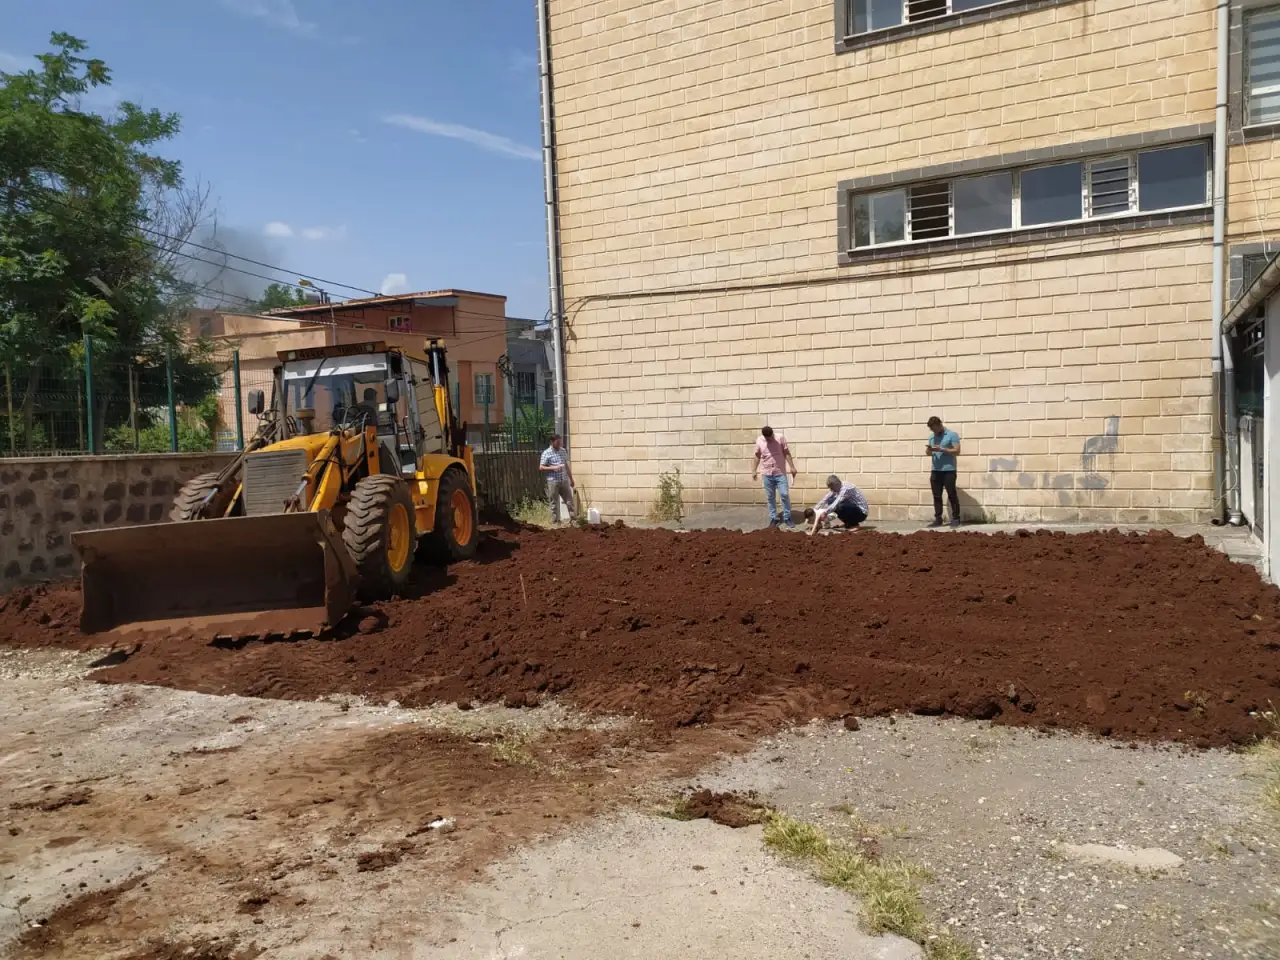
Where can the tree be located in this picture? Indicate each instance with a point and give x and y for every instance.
(79, 252)
(278, 295)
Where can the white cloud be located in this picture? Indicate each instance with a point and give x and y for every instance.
(324, 233)
(278, 13)
(277, 229)
(394, 283)
(477, 138)
(357, 136)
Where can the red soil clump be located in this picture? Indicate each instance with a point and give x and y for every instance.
(1139, 637)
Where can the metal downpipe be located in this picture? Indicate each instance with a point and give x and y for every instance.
(1222, 400)
(551, 202)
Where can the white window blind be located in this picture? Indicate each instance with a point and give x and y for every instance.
(1262, 67)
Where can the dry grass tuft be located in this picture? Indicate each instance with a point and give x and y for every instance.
(888, 889)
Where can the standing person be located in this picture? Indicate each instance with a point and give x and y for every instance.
(942, 447)
(845, 501)
(555, 467)
(773, 457)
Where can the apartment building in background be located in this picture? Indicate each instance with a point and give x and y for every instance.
(472, 326)
(840, 217)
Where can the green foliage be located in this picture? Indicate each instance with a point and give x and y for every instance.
(78, 254)
(24, 439)
(278, 295)
(669, 504)
(197, 430)
(532, 425)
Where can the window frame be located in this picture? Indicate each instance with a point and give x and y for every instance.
(1016, 173)
(490, 396)
(848, 40)
(851, 15)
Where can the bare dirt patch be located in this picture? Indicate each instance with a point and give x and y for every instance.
(318, 811)
(1139, 637)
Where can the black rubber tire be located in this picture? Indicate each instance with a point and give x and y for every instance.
(443, 544)
(366, 532)
(192, 495)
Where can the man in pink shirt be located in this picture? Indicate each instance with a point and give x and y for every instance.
(773, 457)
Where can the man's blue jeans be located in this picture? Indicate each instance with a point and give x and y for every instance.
(773, 486)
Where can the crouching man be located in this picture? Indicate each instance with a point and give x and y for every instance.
(844, 501)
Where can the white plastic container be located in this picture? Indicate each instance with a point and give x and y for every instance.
(593, 515)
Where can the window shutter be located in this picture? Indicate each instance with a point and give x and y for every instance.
(1263, 68)
(925, 9)
(930, 210)
(1109, 186)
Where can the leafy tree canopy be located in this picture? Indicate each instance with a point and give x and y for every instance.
(79, 251)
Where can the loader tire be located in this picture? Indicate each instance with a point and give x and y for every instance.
(192, 495)
(380, 534)
(457, 530)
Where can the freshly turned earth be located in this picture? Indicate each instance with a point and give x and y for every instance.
(1139, 637)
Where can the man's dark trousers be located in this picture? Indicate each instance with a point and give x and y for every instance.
(849, 514)
(940, 480)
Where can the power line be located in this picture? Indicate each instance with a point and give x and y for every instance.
(257, 263)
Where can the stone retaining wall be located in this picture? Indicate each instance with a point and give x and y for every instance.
(44, 500)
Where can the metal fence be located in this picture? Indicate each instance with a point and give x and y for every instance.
(507, 453)
(94, 402)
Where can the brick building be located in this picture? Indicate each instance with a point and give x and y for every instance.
(841, 216)
(472, 326)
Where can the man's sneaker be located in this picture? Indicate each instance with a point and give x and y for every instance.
(955, 523)
(773, 523)
(936, 523)
(791, 524)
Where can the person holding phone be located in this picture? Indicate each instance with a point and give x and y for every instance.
(942, 447)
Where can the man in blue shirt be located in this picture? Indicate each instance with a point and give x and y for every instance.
(942, 448)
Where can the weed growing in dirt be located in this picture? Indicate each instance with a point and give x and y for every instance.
(535, 513)
(669, 504)
(1266, 755)
(888, 889)
(514, 750)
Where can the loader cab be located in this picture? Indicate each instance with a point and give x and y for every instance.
(384, 388)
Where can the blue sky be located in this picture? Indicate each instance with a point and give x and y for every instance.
(391, 144)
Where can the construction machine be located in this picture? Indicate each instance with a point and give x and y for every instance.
(358, 464)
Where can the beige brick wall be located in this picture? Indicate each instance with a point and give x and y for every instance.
(700, 146)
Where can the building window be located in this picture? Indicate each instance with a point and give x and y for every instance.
(526, 388)
(484, 388)
(983, 204)
(403, 324)
(1166, 178)
(866, 16)
(1262, 67)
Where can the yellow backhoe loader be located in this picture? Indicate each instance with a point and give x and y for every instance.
(357, 465)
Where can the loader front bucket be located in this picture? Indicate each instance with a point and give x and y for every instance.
(264, 575)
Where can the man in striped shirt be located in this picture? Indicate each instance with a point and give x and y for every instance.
(555, 467)
(844, 500)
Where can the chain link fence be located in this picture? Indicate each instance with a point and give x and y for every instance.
(94, 402)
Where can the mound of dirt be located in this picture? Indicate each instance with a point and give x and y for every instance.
(1139, 637)
(726, 809)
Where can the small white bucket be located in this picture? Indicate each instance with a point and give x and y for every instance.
(593, 515)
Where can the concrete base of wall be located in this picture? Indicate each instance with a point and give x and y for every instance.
(44, 500)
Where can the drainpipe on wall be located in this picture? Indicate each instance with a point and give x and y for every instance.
(1225, 494)
(551, 201)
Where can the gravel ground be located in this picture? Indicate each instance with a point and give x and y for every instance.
(984, 808)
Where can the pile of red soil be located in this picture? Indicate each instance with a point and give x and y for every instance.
(1137, 637)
